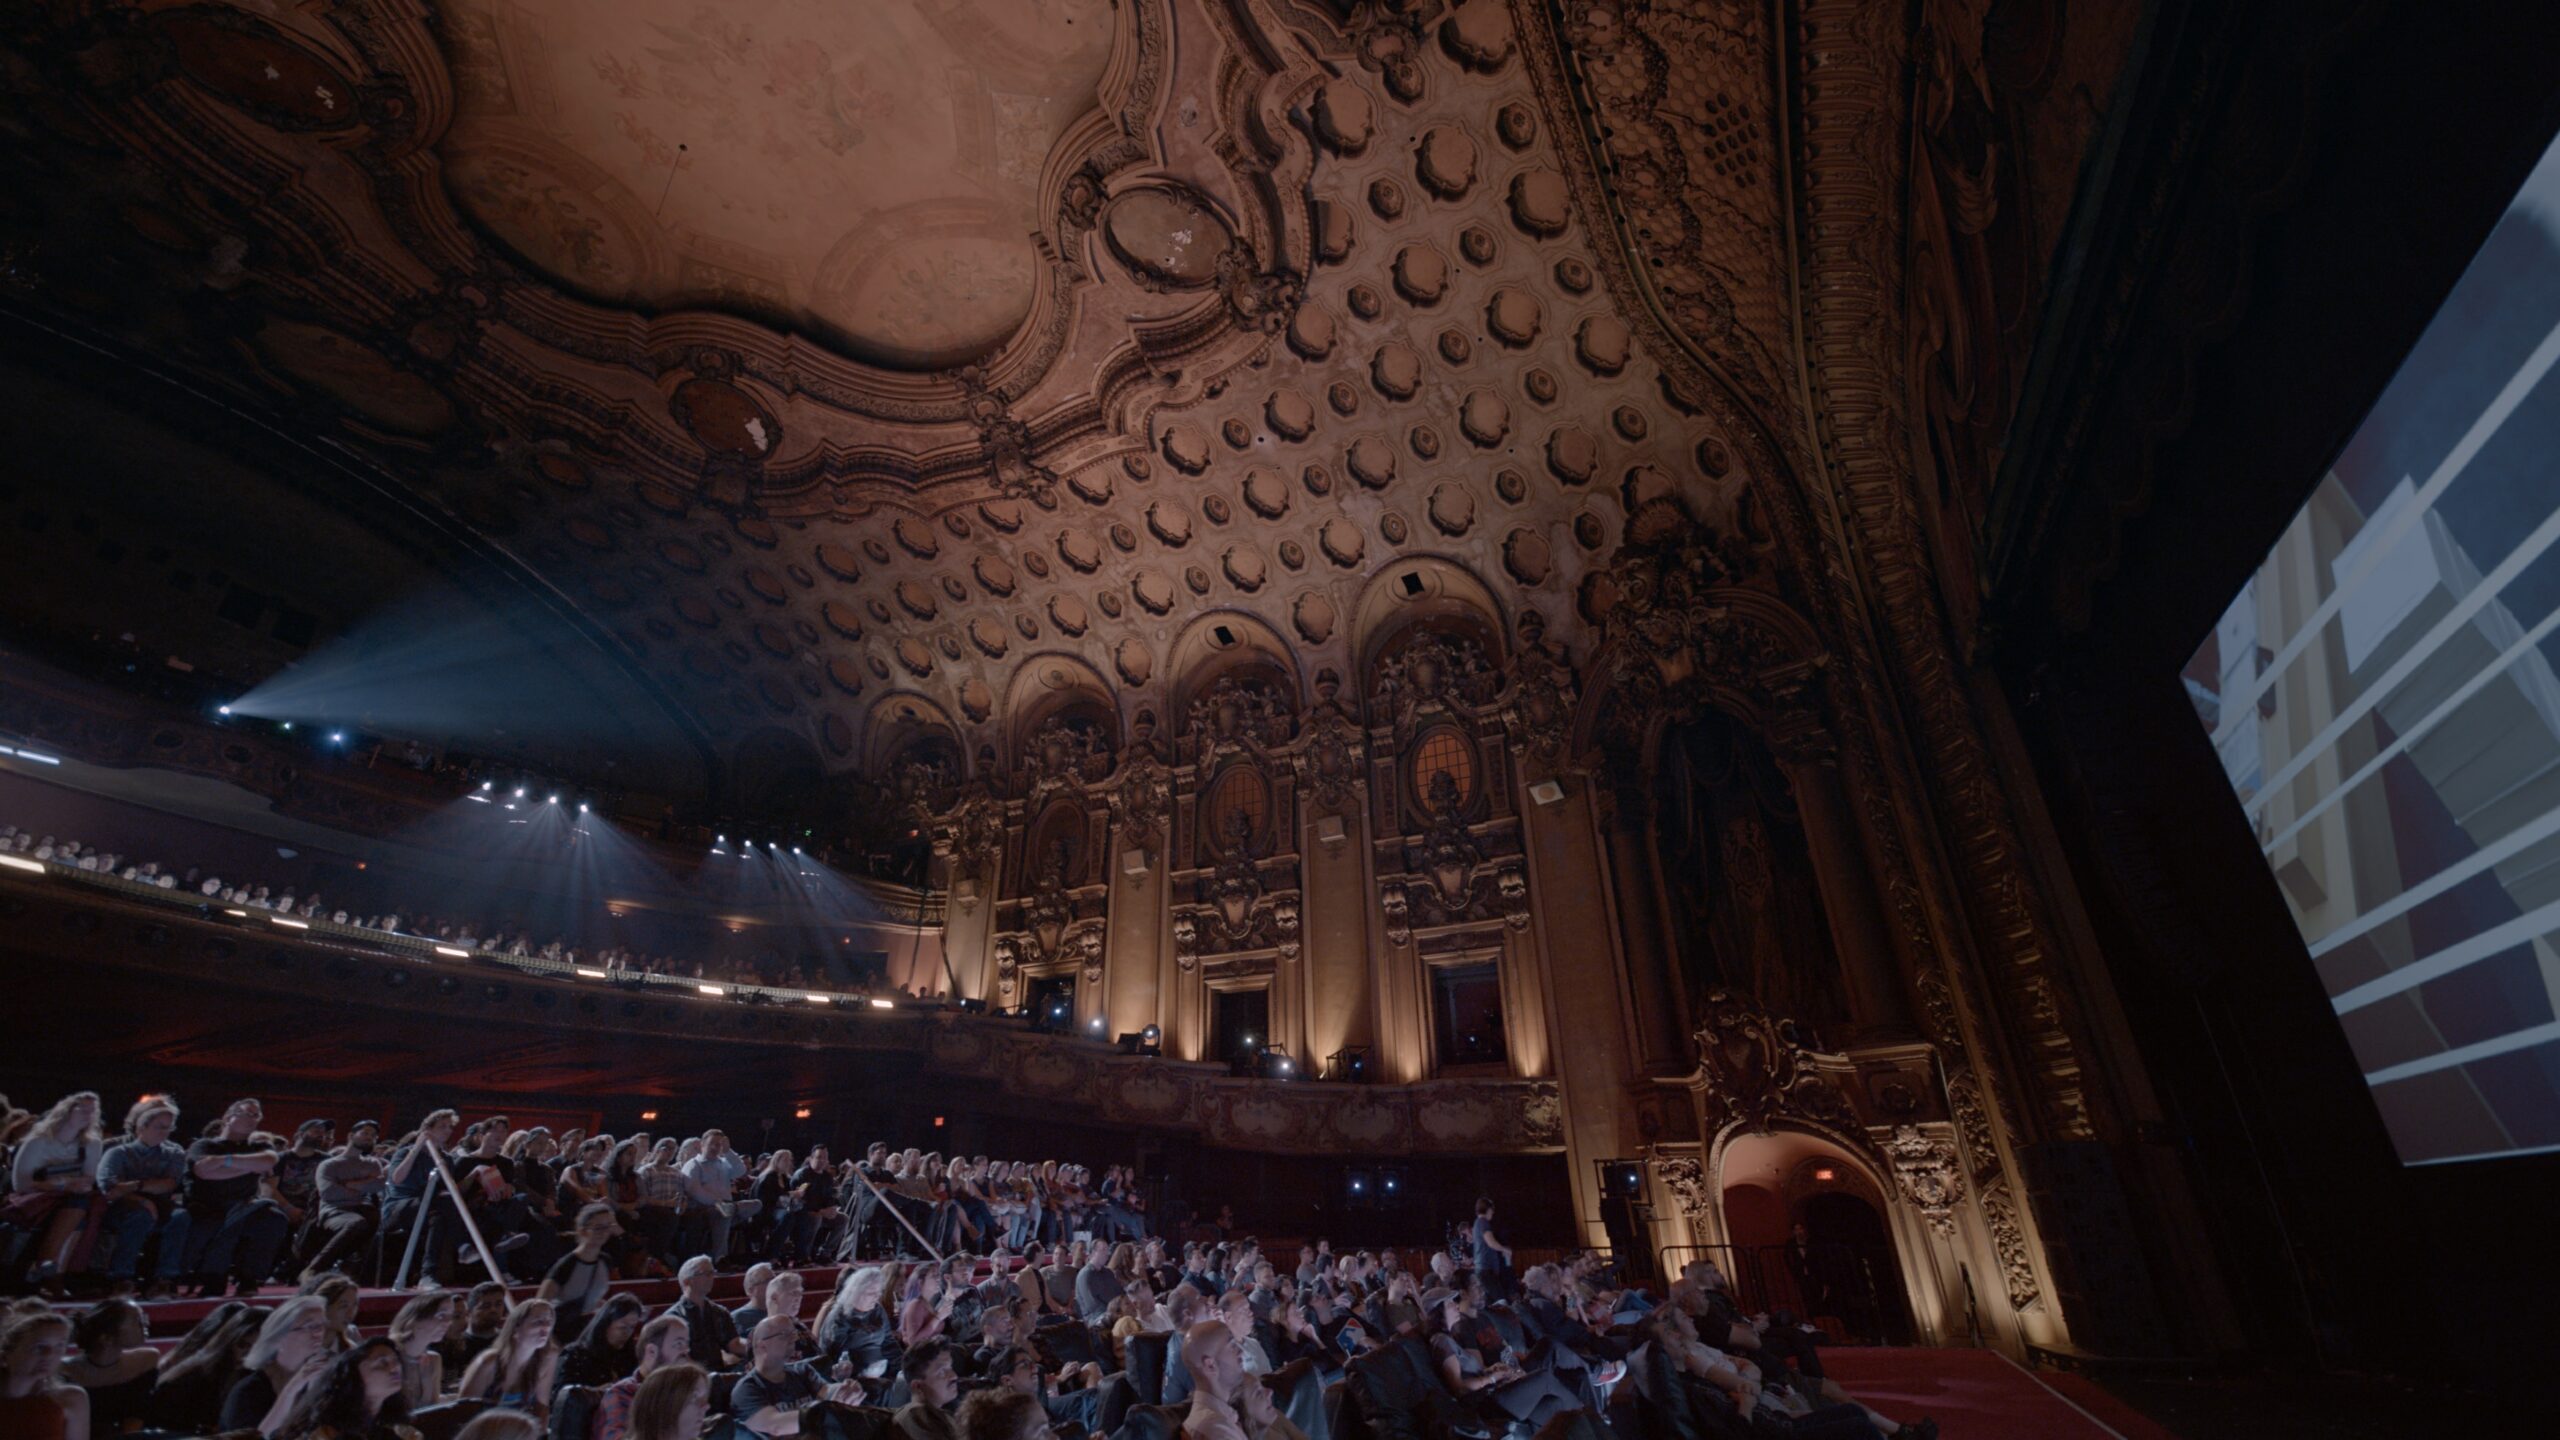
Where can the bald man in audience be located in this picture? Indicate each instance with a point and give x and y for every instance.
(1226, 1404)
(770, 1397)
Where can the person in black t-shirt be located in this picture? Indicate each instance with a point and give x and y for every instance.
(235, 1230)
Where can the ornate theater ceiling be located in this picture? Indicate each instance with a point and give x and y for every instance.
(912, 358)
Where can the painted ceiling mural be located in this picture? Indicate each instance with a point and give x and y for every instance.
(835, 364)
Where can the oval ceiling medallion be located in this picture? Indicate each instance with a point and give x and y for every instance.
(1167, 237)
(725, 418)
(257, 70)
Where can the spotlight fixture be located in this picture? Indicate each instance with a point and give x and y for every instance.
(649, 1115)
(551, 800)
(1154, 1034)
(487, 784)
(582, 807)
(337, 737)
(519, 792)
(721, 839)
(221, 709)
(1096, 1027)
(802, 1113)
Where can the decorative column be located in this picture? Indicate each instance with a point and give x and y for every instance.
(1136, 963)
(1333, 845)
(968, 847)
(1810, 757)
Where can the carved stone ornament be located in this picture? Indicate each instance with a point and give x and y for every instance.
(1260, 300)
(1233, 911)
(1387, 36)
(1331, 759)
(1448, 879)
(1234, 714)
(1681, 636)
(1142, 797)
(1434, 675)
(1059, 755)
(1542, 691)
(1686, 1178)
(972, 834)
(1004, 442)
(1925, 1168)
(1753, 1067)
(925, 790)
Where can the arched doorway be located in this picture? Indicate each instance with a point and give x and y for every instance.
(1844, 1270)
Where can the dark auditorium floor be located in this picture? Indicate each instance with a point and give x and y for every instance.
(2256, 1405)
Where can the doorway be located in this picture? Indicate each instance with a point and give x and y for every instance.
(1805, 1233)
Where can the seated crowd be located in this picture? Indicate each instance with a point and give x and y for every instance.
(1011, 1302)
(500, 939)
(238, 1207)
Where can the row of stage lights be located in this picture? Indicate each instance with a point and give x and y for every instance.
(489, 794)
(336, 739)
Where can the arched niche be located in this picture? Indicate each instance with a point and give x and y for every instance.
(1743, 899)
(1231, 642)
(1053, 685)
(902, 727)
(1424, 591)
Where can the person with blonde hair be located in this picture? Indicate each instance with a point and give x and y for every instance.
(519, 1368)
(292, 1345)
(34, 1403)
(418, 1329)
(53, 1186)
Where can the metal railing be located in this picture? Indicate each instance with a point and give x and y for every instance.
(1843, 1288)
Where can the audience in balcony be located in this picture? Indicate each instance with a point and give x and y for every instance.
(494, 938)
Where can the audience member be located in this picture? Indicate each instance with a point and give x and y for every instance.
(671, 1404)
(292, 1345)
(421, 1326)
(709, 1331)
(518, 1369)
(34, 1404)
(234, 1230)
(53, 1185)
(112, 1359)
(360, 1395)
(664, 1342)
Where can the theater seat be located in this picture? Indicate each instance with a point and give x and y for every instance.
(856, 1422)
(1152, 1422)
(723, 1386)
(1146, 1365)
(573, 1411)
(443, 1422)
